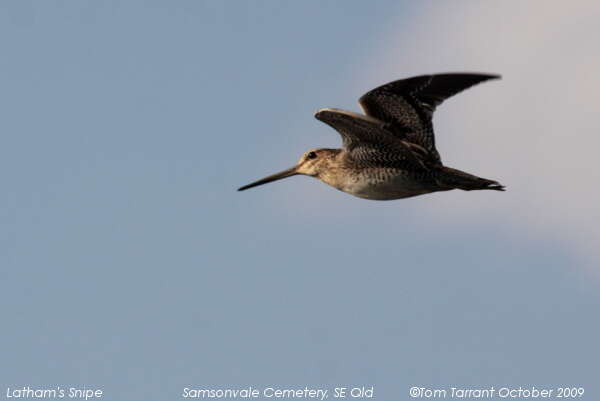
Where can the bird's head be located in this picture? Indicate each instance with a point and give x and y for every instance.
(311, 163)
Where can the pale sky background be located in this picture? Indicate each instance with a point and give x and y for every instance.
(130, 263)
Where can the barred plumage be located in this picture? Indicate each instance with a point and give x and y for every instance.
(390, 153)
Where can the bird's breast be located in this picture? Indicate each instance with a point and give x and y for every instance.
(378, 183)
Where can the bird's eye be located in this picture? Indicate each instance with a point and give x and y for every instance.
(311, 155)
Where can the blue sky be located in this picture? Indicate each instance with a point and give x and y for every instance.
(130, 263)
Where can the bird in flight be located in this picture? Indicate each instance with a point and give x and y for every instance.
(389, 152)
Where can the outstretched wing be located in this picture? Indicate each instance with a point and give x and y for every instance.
(407, 105)
(367, 141)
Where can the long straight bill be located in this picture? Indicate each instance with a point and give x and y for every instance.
(283, 174)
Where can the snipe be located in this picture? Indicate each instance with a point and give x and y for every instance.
(390, 153)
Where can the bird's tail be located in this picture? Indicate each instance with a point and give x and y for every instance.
(456, 179)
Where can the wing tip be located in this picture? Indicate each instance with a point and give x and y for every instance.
(329, 114)
(326, 110)
(493, 76)
(483, 76)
